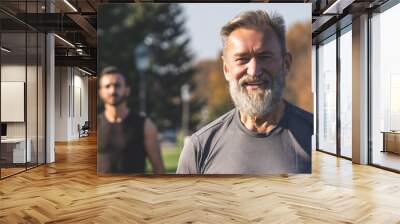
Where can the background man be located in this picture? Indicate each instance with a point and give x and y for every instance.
(125, 139)
(264, 134)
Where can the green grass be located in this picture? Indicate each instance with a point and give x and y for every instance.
(170, 157)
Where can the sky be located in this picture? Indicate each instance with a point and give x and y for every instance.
(204, 21)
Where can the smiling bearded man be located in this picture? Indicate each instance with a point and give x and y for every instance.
(264, 134)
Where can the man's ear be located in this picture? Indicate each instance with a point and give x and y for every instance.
(225, 68)
(128, 91)
(287, 62)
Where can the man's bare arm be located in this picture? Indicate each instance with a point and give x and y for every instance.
(153, 147)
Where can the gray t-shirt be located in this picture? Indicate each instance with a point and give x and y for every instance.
(226, 146)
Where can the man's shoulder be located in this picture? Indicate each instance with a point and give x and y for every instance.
(215, 125)
(198, 146)
(300, 117)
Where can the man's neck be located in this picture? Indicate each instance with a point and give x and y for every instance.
(116, 114)
(265, 123)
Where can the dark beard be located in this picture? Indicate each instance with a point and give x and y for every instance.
(120, 100)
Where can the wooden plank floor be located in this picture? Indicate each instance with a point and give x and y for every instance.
(69, 191)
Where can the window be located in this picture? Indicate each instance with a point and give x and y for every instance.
(23, 89)
(346, 92)
(385, 89)
(327, 95)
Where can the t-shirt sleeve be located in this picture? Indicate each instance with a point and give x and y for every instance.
(187, 159)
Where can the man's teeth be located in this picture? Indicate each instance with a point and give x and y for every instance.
(254, 83)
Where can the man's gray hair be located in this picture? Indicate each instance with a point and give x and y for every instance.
(258, 20)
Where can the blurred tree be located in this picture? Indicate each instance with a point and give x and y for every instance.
(298, 82)
(122, 28)
(219, 100)
(212, 89)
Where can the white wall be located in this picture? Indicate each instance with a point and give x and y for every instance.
(61, 103)
(12, 73)
(16, 73)
(71, 94)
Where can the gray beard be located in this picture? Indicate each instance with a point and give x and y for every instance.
(257, 104)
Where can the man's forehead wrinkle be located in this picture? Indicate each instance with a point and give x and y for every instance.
(255, 50)
(242, 50)
(237, 48)
(235, 44)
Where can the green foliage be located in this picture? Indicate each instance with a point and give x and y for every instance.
(170, 158)
(123, 27)
(180, 138)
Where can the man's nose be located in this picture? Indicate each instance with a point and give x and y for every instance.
(112, 89)
(254, 67)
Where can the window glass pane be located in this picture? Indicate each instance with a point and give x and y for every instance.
(313, 88)
(31, 97)
(327, 96)
(346, 94)
(14, 153)
(22, 88)
(385, 84)
(41, 98)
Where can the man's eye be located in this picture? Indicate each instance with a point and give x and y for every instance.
(241, 60)
(265, 56)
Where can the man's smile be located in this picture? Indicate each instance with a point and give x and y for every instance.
(255, 84)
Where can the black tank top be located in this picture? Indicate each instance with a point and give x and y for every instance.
(120, 146)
